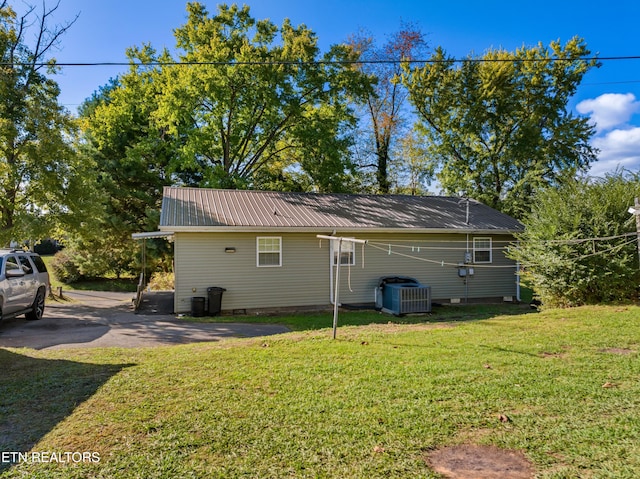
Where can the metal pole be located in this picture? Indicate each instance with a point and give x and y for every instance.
(337, 289)
(144, 262)
(336, 294)
(637, 215)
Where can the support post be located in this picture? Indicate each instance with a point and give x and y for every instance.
(637, 215)
(336, 294)
(336, 290)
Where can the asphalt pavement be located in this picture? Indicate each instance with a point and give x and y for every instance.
(101, 319)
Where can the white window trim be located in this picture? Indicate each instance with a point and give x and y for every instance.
(489, 249)
(279, 238)
(347, 246)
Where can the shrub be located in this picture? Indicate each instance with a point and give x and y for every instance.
(161, 281)
(579, 245)
(64, 268)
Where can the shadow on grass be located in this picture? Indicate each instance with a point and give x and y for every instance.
(122, 285)
(321, 320)
(37, 394)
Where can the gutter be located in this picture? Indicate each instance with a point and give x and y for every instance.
(337, 229)
(152, 234)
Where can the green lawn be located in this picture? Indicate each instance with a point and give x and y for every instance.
(370, 404)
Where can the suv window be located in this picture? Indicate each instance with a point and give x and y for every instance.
(12, 264)
(26, 265)
(40, 266)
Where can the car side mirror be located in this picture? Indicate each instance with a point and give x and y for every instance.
(14, 273)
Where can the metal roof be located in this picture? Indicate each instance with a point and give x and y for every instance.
(197, 209)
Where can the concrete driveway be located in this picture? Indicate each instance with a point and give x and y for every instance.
(98, 319)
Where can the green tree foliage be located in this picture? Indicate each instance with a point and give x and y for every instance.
(134, 159)
(498, 126)
(412, 170)
(46, 189)
(247, 104)
(385, 104)
(579, 245)
(252, 100)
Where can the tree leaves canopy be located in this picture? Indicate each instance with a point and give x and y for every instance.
(249, 95)
(498, 127)
(45, 188)
(385, 114)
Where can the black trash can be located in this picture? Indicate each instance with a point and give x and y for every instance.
(215, 300)
(197, 306)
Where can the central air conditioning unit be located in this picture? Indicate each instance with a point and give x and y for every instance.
(400, 295)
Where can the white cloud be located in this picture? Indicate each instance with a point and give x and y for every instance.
(609, 110)
(618, 149)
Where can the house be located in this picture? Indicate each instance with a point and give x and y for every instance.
(263, 247)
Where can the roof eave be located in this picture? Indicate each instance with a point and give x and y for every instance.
(152, 234)
(334, 230)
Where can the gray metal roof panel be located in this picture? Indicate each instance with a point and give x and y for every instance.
(201, 207)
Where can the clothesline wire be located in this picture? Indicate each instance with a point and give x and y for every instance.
(433, 261)
(387, 247)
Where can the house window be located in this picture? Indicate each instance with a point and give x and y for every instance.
(347, 253)
(269, 251)
(482, 250)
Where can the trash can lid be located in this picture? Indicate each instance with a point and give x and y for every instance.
(215, 288)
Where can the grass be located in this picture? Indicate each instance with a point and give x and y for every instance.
(370, 404)
(314, 320)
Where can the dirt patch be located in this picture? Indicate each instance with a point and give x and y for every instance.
(622, 351)
(546, 354)
(480, 462)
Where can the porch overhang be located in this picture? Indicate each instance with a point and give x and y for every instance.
(152, 234)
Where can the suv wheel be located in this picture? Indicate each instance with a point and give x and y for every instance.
(37, 309)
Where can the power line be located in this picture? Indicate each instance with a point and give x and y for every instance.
(583, 256)
(624, 82)
(318, 62)
(586, 240)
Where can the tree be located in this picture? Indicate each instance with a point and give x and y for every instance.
(134, 159)
(579, 243)
(386, 101)
(248, 96)
(413, 169)
(44, 185)
(498, 126)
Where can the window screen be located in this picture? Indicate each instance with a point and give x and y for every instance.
(347, 253)
(482, 250)
(269, 251)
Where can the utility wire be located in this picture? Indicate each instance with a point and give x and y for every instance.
(432, 244)
(318, 62)
(587, 240)
(579, 258)
(387, 248)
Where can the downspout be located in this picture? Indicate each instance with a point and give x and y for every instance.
(331, 300)
(518, 281)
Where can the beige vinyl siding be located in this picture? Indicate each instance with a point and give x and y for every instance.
(304, 277)
(201, 261)
(493, 280)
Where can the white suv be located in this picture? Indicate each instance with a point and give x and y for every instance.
(24, 283)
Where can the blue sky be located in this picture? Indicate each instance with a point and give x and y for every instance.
(610, 95)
